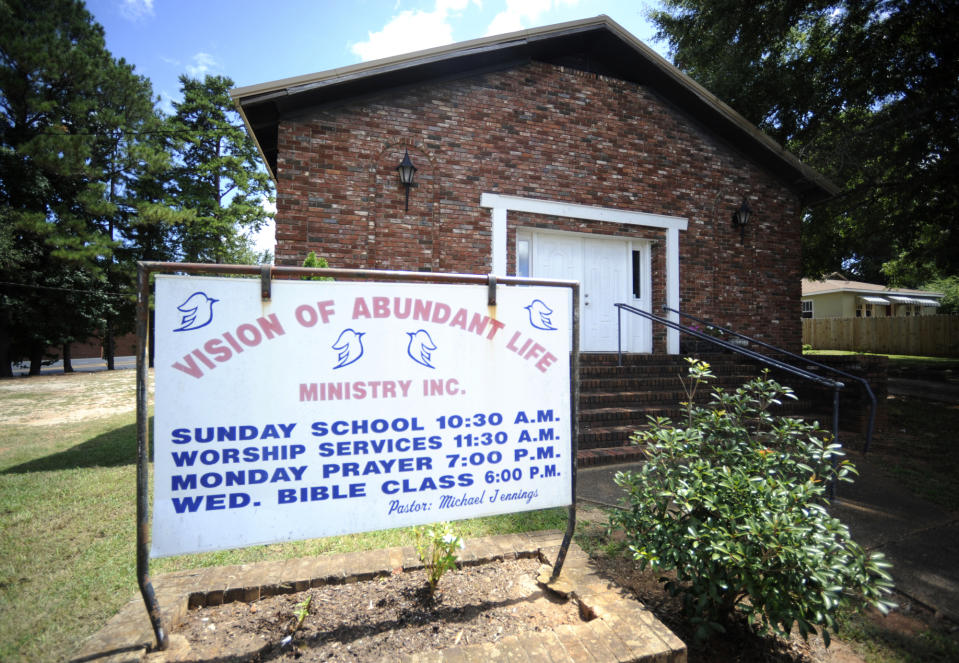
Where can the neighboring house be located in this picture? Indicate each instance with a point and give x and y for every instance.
(838, 297)
(570, 151)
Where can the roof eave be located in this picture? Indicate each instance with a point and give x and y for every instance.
(878, 293)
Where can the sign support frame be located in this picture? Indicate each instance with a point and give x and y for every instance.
(266, 273)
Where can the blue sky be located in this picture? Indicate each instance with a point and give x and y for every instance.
(256, 41)
(259, 41)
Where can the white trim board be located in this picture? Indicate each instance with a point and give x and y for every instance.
(585, 212)
(500, 205)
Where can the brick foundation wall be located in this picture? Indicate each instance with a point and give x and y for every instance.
(549, 132)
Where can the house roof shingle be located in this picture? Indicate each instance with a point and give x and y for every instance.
(832, 285)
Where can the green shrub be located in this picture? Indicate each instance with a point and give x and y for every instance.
(313, 261)
(735, 504)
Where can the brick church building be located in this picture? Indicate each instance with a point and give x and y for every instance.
(569, 151)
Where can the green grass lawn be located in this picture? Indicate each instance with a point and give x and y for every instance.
(898, 361)
(68, 514)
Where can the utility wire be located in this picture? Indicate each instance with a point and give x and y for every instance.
(48, 287)
(204, 132)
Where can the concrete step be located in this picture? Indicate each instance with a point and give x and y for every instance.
(616, 401)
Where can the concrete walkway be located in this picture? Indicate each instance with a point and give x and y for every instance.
(920, 539)
(929, 390)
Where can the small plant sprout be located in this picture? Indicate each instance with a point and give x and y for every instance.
(699, 372)
(300, 612)
(437, 546)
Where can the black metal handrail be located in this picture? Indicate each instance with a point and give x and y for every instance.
(799, 372)
(769, 346)
(764, 359)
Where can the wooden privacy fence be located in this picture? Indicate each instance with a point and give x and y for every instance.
(925, 335)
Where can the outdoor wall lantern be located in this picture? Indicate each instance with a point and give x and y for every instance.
(407, 170)
(741, 218)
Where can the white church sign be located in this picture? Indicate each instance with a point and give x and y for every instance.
(340, 407)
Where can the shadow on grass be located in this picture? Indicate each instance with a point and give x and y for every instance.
(111, 449)
(903, 639)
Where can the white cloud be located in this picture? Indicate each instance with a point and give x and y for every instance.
(166, 102)
(265, 238)
(202, 63)
(134, 10)
(412, 31)
(522, 14)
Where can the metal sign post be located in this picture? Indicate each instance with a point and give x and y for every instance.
(447, 406)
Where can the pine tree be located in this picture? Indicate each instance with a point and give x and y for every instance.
(220, 181)
(65, 107)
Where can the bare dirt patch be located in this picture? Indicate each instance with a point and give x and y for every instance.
(381, 618)
(67, 398)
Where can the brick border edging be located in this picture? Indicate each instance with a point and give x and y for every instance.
(619, 628)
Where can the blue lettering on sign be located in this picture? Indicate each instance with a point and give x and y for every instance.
(541, 416)
(232, 455)
(231, 433)
(378, 467)
(387, 445)
(393, 486)
(320, 493)
(236, 478)
(213, 502)
(408, 507)
(365, 426)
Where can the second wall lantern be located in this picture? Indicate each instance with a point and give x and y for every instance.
(407, 170)
(741, 218)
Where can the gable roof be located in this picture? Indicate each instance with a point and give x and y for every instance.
(828, 286)
(597, 44)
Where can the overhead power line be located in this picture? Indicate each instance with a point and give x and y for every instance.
(82, 291)
(63, 134)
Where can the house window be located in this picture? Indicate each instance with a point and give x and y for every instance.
(522, 257)
(807, 308)
(637, 275)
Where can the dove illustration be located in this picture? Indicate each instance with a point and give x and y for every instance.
(349, 345)
(539, 315)
(420, 348)
(197, 311)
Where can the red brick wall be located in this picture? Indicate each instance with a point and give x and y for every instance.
(538, 131)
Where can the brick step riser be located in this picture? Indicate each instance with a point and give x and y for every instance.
(637, 417)
(641, 359)
(598, 437)
(625, 405)
(590, 399)
(590, 385)
(668, 371)
(616, 401)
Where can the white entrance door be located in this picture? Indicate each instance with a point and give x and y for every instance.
(605, 268)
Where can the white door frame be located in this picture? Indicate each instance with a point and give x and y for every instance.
(500, 204)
